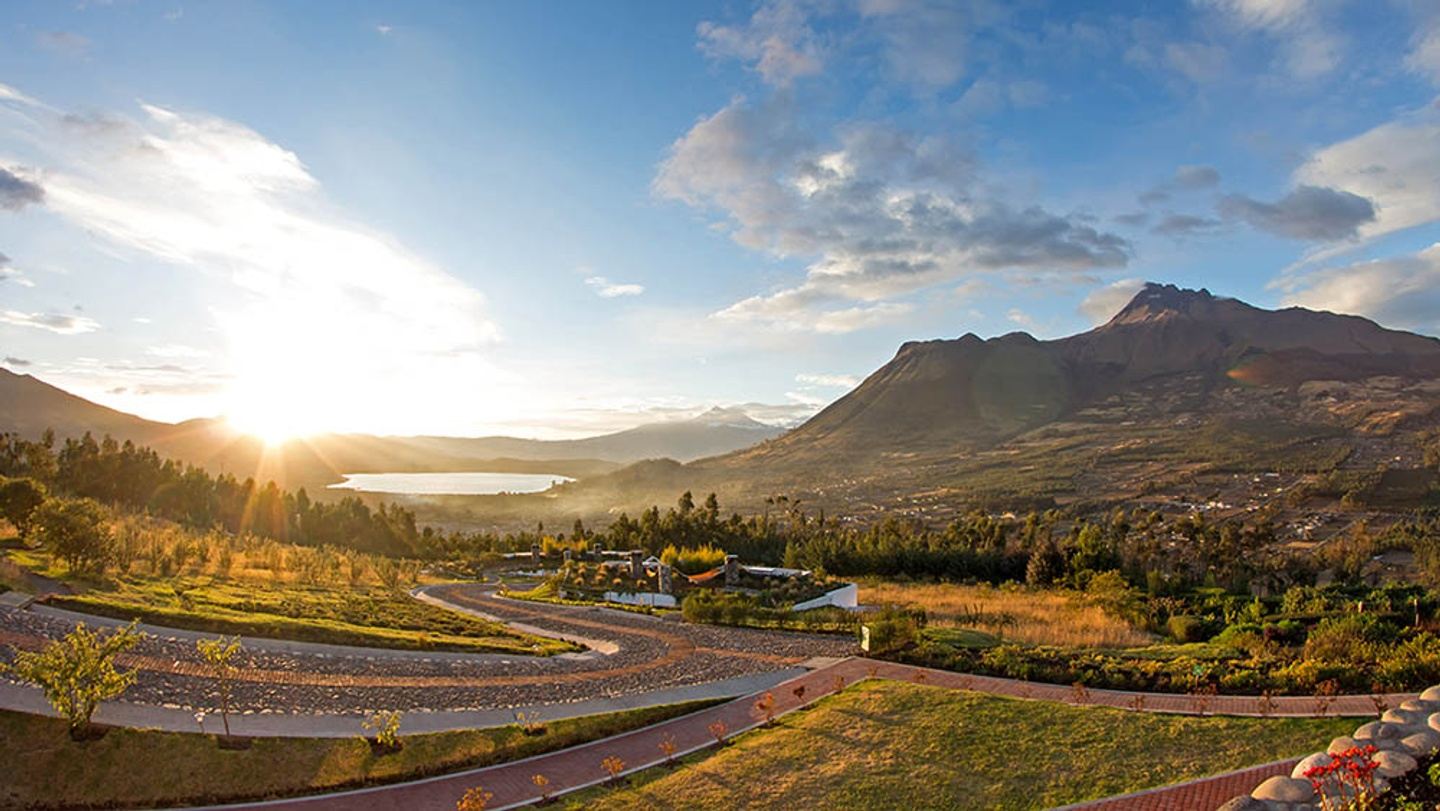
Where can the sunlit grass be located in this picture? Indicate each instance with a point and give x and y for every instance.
(1039, 617)
(884, 744)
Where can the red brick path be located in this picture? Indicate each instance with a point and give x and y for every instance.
(1203, 794)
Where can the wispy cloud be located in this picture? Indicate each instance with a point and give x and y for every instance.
(68, 43)
(834, 381)
(1103, 303)
(604, 288)
(59, 323)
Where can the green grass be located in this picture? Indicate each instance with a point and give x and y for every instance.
(44, 769)
(358, 615)
(885, 744)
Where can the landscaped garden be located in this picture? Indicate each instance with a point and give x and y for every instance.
(165, 574)
(45, 769)
(885, 744)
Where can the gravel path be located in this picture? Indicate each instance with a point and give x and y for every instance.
(280, 677)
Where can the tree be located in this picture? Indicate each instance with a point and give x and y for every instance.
(1046, 565)
(18, 500)
(76, 530)
(78, 672)
(217, 653)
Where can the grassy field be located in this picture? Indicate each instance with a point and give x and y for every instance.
(44, 769)
(362, 614)
(1033, 617)
(884, 744)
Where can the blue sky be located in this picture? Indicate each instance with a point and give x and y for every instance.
(555, 219)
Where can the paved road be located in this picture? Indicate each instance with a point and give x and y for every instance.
(634, 655)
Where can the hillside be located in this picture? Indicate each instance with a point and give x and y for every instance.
(1182, 397)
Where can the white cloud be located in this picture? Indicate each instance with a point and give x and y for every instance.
(881, 212)
(1309, 46)
(777, 42)
(1200, 62)
(1424, 57)
(1015, 315)
(1400, 291)
(1395, 165)
(604, 288)
(834, 381)
(177, 351)
(59, 323)
(1104, 302)
(318, 303)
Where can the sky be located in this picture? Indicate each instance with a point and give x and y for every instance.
(556, 219)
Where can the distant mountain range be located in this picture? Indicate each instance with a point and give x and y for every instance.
(1182, 398)
(30, 406)
(1177, 396)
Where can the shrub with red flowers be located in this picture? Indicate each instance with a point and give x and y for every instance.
(1347, 781)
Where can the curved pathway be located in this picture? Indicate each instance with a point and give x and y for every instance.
(637, 660)
(580, 766)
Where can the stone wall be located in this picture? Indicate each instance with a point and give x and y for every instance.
(1402, 735)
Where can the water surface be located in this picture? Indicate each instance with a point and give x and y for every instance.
(450, 484)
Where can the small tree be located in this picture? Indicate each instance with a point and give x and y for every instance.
(667, 748)
(19, 499)
(217, 653)
(76, 530)
(765, 705)
(386, 726)
(78, 672)
(476, 799)
(717, 731)
(613, 766)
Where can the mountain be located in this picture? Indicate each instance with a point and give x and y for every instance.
(1176, 396)
(29, 406)
(717, 431)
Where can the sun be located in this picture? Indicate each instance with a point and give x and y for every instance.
(269, 430)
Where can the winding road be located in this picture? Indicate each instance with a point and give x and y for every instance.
(294, 688)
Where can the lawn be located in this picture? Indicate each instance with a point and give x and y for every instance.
(1035, 617)
(44, 769)
(346, 615)
(885, 744)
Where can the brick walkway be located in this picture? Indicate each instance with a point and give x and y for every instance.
(1203, 794)
(580, 766)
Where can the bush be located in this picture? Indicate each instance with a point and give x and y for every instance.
(1186, 628)
(893, 628)
(693, 560)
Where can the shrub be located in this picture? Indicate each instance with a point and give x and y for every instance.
(893, 628)
(386, 726)
(1186, 628)
(693, 560)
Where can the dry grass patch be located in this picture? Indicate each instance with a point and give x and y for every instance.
(1038, 617)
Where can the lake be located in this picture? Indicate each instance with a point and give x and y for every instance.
(450, 484)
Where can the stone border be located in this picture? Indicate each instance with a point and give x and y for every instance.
(1401, 736)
